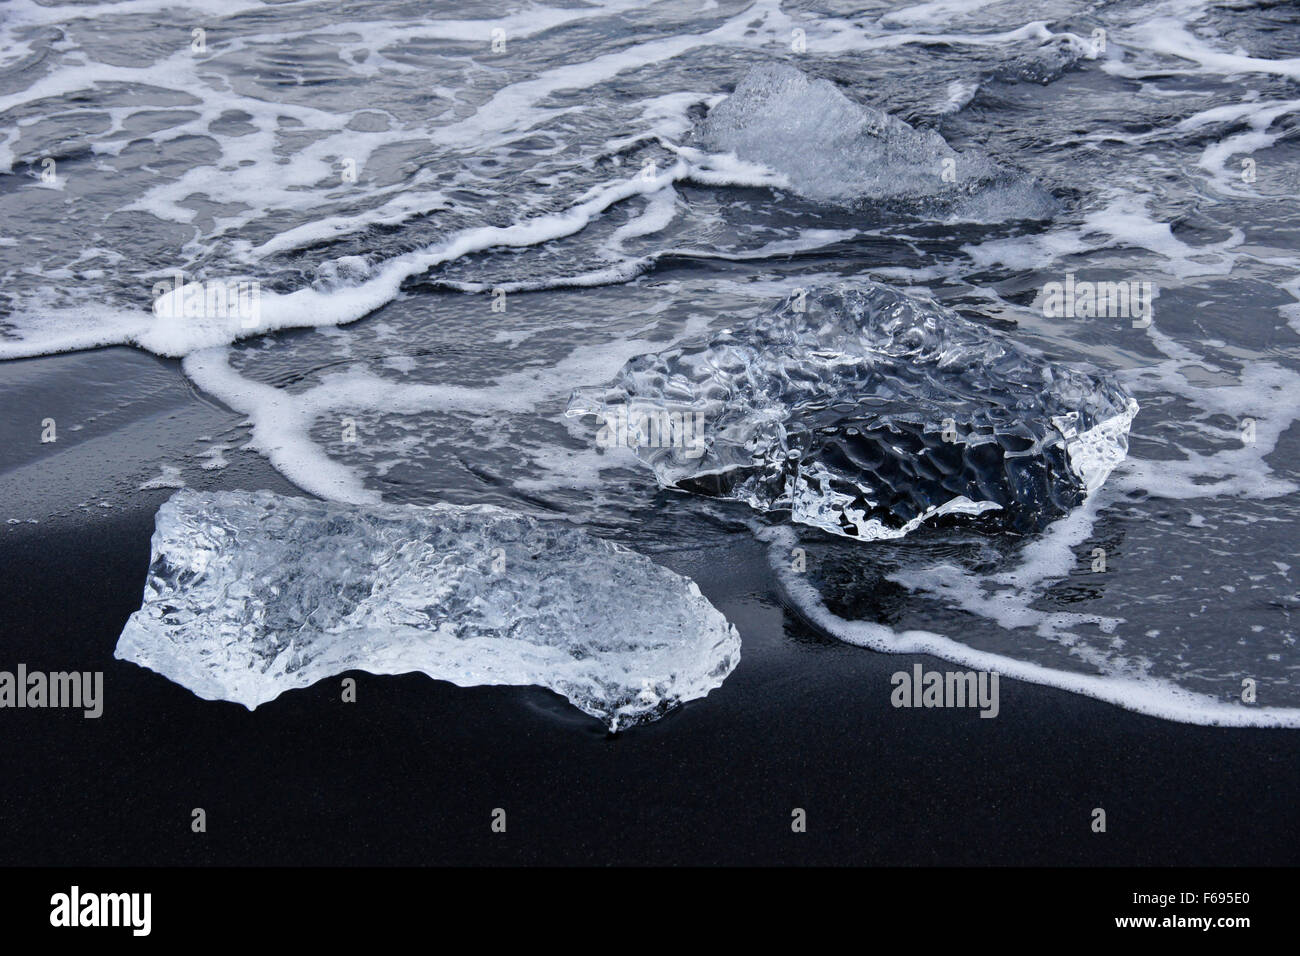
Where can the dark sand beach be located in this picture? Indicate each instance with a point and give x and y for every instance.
(411, 772)
(985, 313)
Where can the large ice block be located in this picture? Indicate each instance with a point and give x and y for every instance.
(251, 594)
(864, 411)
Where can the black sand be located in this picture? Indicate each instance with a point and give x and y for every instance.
(411, 772)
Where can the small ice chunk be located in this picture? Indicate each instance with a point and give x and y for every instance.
(865, 412)
(1047, 62)
(341, 272)
(250, 594)
(831, 149)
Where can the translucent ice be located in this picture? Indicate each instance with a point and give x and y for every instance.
(251, 594)
(1046, 63)
(832, 149)
(864, 412)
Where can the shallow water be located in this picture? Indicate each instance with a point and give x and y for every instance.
(557, 167)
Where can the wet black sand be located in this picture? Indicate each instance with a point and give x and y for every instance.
(411, 772)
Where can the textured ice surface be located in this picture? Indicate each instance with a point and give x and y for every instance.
(1047, 63)
(832, 149)
(869, 412)
(251, 594)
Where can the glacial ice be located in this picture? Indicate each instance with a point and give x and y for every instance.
(831, 149)
(1047, 63)
(869, 412)
(250, 594)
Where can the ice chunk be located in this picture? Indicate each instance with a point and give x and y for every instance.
(251, 594)
(864, 412)
(1046, 63)
(832, 149)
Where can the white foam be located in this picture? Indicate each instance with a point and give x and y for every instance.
(959, 93)
(661, 208)
(938, 11)
(514, 109)
(1141, 693)
(282, 421)
(169, 478)
(1266, 393)
(214, 458)
(35, 330)
(630, 268)
(1170, 36)
(410, 202)
(1007, 597)
(1121, 220)
(170, 332)
(281, 424)
(1291, 311)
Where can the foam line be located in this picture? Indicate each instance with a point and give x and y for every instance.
(1148, 695)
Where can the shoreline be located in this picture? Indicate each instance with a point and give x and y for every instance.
(411, 772)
